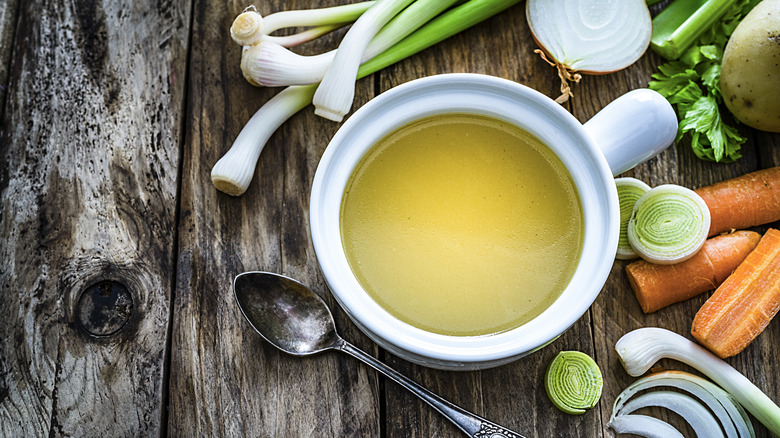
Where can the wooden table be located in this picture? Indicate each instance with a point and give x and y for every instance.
(118, 253)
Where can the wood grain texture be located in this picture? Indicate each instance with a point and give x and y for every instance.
(225, 380)
(89, 178)
(8, 15)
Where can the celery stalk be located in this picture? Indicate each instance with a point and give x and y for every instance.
(680, 25)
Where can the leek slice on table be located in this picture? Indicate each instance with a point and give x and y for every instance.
(573, 382)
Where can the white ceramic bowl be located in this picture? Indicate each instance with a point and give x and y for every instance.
(641, 119)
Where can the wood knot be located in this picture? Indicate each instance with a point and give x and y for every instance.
(104, 308)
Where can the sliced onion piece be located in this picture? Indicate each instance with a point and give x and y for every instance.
(643, 425)
(589, 36)
(701, 420)
(629, 191)
(669, 224)
(730, 413)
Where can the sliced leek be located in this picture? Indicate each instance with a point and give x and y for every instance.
(573, 382)
(629, 191)
(669, 224)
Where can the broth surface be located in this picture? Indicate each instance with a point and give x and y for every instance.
(462, 225)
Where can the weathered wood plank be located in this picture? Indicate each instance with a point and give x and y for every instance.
(512, 395)
(218, 364)
(88, 178)
(8, 15)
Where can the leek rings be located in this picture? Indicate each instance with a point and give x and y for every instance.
(573, 382)
(669, 224)
(629, 191)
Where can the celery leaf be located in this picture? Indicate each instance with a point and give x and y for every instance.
(692, 85)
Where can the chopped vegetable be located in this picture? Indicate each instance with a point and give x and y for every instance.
(643, 425)
(751, 62)
(573, 382)
(589, 36)
(234, 171)
(701, 420)
(669, 224)
(743, 202)
(682, 23)
(629, 191)
(658, 286)
(640, 349)
(333, 98)
(692, 84)
(741, 308)
(729, 413)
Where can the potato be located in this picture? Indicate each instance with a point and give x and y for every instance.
(750, 71)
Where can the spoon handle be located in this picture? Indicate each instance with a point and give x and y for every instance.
(473, 425)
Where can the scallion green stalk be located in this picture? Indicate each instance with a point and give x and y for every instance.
(680, 25)
(333, 98)
(234, 171)
(271, 65)
(250, 27)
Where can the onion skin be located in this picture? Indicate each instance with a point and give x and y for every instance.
(589, 36)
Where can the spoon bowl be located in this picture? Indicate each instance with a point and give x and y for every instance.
(285, 313)
(297, 321)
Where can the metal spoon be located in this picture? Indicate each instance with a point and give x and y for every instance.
(295, 320)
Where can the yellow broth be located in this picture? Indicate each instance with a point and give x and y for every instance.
(462, 225)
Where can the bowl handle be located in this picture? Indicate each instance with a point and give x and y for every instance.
(633, 128)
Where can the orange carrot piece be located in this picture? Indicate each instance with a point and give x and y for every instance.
(743, 202)
(741, 308)
(658, 286)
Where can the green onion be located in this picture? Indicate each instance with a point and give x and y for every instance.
(679, 26)
(333, 98)
(629, 191)
(573, 382)
(250, 27)
(233, 173)
(641, 348)
(271, 65)
(669, 224)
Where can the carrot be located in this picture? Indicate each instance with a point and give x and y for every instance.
(658, 286)
(743, 202)
(741, 308)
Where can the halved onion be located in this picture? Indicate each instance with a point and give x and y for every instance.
(589, 36)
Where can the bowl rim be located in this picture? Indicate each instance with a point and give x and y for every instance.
(380, 324)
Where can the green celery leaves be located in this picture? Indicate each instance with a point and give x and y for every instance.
(692, 85)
